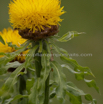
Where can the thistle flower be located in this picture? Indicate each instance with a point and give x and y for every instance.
(12, 36)
(35, 19)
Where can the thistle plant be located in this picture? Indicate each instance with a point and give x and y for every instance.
(28, 53)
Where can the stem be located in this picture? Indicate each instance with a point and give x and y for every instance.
(22, 88)
(46, 101)
(47, 91)
(22, 84)
(37, 63)
(38, 67)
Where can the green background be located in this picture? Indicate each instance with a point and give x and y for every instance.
(82, 16)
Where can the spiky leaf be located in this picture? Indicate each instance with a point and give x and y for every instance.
(92, 83)
(68, 36)
(60, 79)
(33, 97)
(8, 101)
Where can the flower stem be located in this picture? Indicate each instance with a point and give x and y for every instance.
(37, 62)
(22, 88)
(47, 91)
(38, 65)
(22, 84)
(38, 68)
(46, 101)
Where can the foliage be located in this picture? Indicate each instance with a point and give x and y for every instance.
(40, 52)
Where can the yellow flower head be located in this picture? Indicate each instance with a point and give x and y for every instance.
(34, 14)
(10, 35)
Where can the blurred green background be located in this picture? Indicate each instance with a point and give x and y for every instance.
(82, 16)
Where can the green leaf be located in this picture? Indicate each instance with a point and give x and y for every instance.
(68, 36)
(45, 62)
(65, 53)
(10, 56)
(12, 79)
(61, 51)
(23, 101)
(74, 90)
(92, 83)
(29, 84)
(78, 70)
(88, 97)
(94, 101)
(52, 94)
(40, 46)
(14, 64)
(40, 85)
(33, 97)
(31, 68)
(71, 88)
(1, 53)
(60, 79)
(6, 88)
(77, 67)
(2, 40)
(9, 65)
(15, 98)
(81, 72)
(47, 47)
(69, 68)
(30, 56)
(74, 99)
(12, 45)
(52, 85)
(78, 75)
